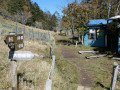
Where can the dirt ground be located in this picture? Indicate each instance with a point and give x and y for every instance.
(70, 54)
(92, 74)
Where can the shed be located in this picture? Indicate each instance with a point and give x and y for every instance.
(117, 19)
(96, 35)
(118, 38)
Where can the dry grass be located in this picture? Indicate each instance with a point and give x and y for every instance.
(65, 75)
(33, 74)
(8, 22)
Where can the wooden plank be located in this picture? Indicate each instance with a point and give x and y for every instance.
(96, 56)
(115, 58)
(81, 52)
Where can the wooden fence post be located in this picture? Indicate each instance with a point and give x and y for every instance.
(114, 77)
(48, 85)
(14, 71)
(14, 74)
(51, 51)
(76, 43)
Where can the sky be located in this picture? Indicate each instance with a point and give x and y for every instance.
(52, 5)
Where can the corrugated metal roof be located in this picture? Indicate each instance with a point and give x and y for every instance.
(97, 22)
(115, 17)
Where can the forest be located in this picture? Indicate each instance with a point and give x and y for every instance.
(75, 14)
(28, 13)
(78, 13)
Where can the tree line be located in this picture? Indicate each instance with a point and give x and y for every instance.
(79, 12)
(28, 13)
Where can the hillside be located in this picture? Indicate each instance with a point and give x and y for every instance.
(32, 74)
(28, 13)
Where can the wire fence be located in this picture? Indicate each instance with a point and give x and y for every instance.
(28, 33)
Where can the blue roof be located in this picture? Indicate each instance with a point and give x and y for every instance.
(97, 22)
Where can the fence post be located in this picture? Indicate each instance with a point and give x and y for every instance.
(0, 30)
(14, 72)
(33, 34)
(48, 85)
(29, 33)
(76, 43)
(114, 77)
(52, 68)
(51, 51)
(38, 35)
(53, 41)
(16, 28)
(24, 29)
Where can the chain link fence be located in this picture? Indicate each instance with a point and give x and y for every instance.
(28, 33)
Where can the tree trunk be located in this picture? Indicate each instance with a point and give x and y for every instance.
(79, 39)
(118, 6)
(82, 39)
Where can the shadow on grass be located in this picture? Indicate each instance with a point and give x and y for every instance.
(70, 41)
(107, 51)
(100, 84)
(65, 42)
(21, 75)
(62, 34)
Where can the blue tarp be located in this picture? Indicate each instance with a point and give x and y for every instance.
(97, 22)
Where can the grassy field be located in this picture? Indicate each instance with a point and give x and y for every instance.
(68, 78)
(31, 74)
(99, 69)
(8, 22)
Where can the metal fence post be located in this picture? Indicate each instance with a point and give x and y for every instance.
(53, 41)
(33, 34)
(38, 35)
(24, 29)
(16, 28)
(114, 77)
(0, 30)
(29, 33)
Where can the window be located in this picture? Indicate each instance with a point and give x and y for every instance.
(92, 34)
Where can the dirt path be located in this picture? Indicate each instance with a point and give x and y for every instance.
(70, 55)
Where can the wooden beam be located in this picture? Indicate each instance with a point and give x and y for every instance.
(81, 52)
(115, 58)
(96, 56)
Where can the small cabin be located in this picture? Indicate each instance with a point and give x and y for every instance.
(96, 35)
(119, 39)
(117, 18)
